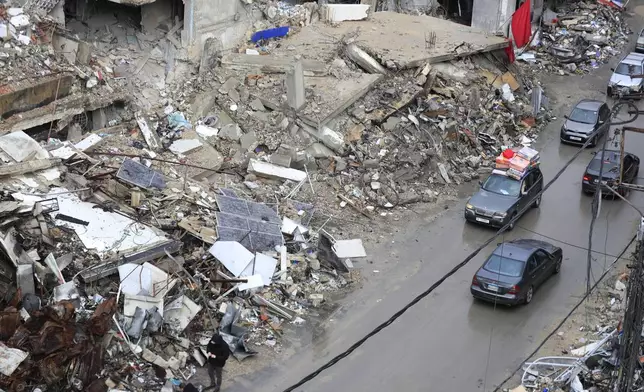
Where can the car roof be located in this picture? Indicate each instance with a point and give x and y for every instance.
(589, 104)
(633, 58)
(515, 250)
(609, 155)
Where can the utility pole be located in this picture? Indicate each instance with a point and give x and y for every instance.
(632, 325)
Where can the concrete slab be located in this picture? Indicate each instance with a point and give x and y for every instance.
(397, 38)
(334, 96)
(271, 64)
(62, 109)
(32, 93)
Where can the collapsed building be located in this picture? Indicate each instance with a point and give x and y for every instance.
(171, 168)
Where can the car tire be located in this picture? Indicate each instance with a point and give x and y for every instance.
(511, 227)
(537, 202)
(595, 141)
(528, 295)
(557, 267)
(609, 91)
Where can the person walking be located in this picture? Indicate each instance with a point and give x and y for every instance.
(218, 352)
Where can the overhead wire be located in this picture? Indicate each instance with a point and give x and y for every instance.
(419, 297)
(566, 243)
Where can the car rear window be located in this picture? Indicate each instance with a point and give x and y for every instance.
(504, 266)
(611, 162)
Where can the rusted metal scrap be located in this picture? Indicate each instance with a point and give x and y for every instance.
(99, 323)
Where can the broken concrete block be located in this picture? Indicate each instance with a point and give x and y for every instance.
(295, 92)
(6, 31)
(269, 170)
(184, 146)
(319, 150)
(229, 85)
(257, 105)
(20, 21)
(74, 133)
(206, 131)
(89, 143)
(248, 141)
(340, 12)
(365, 61)
(25, 278)
(230, 132)
(281, 160)
(331, 139)
(316, 299)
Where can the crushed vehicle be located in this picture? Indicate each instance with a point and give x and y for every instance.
(622, 83)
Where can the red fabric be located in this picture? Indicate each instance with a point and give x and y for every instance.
(521, 29)
(509, 51)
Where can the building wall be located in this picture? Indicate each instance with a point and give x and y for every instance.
(154, 13)
(225, 20)
(493, 15)
(406, 5)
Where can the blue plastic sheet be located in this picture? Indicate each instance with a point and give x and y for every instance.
(277, 32)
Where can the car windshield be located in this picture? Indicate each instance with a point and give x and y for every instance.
(628, 69)
(504, 266)
(502, 185)
(583, 116)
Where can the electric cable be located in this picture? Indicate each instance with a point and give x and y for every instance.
(577, 305)
(513, 219)
(569, 244)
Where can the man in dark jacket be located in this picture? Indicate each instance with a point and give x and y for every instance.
(218, 352)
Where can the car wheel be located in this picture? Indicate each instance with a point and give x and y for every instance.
(528, 295)
(537, 202)
(558, 267)
(595, 141)
(609, 91)
(512, 223)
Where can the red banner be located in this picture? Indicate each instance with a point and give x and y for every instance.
(521, 29)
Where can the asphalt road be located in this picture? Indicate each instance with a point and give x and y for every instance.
(448, 342)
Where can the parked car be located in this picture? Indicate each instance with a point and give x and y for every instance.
(639, 45)
(611, 171)
(515, 269)
(586, 117)
(501, 198)
(621, 82)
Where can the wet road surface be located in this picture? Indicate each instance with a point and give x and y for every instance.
(448, 342)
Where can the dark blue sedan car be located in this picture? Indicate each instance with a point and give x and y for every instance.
(515, 269)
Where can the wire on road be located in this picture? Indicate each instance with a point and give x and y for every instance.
(577, 305)
(567, 243)
(418, 298)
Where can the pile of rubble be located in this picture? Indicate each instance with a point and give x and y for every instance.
(579, 37)
(124, 266)
(410, 138)
(586, 365)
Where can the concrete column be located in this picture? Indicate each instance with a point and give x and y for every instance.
(295, 93)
